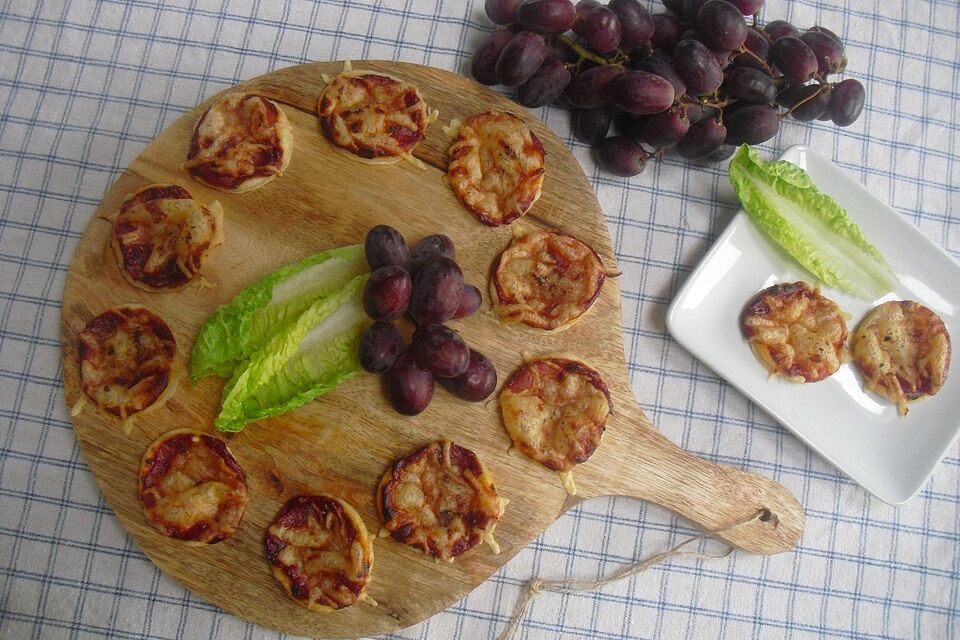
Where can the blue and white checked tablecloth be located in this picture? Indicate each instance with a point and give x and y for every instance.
(85, 85)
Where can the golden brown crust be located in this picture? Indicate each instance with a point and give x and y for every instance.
(240, 143)
(191, 487)
(546, 280)
(127, 360)
(496, 167)
(796, 332)
(555, 410)
(903, 349)
(441, 500)
(162, 236)
(320, 552)
(373, 116)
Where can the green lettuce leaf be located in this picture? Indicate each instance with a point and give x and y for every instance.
(239, 328)
(308, 357)
(783, 201)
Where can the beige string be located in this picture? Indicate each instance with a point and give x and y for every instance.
(537, 586)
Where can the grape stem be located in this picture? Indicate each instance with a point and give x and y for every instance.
(762, 62)
(820, 89)
(582, 52)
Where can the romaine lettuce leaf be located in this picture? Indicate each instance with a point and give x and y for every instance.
(783, 201)
(308, 357)
(237, 329)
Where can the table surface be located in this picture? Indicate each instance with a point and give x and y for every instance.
(85, 85)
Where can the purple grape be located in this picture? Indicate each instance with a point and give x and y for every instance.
(747, 8)
(640, 92)
(690, 34)
(440, 350)
(745, 83)
(385, 246)
(846, 102)
(826, 31)
(827, 49)
(621, 157)
(781, 28)
(546, 17)
(721, 153)
(635, 22)
(470, 301)
(601, 30)
(723, 58)
(545, 85)
(666, 31)
(675, 6)
(558, 50)
(520, 58)
(795, 60)
(702, 139)
(380, 346)
(588, 90)
(581, 10)
(409, 387)
(806, 102)
(590, 126)
(661, 64)
(631, 127)
(436, 291)
(751, 124)
(430, 247)
(483, 65)
(666, 128)
(721, 25)
(501, 11)
(387, 293)
(757, 44)
(695, 112)
(694, 62)
(476, 383)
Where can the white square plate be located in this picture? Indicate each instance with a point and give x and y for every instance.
(862, 434)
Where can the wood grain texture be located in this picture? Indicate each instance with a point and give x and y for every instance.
(343, 443)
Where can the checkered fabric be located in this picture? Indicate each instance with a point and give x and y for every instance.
(86, 84)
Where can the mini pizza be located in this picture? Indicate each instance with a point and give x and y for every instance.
(127, 361)
(903, 350)
(496, 167)
(546, 280)
(796, 332)
(240, 143)
(320, 552)
(191, 487)
(555, 410)
(162, 236)
(441, 500)
(374, 116)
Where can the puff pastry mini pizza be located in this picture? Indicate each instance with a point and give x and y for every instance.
(440, 500)
(320, 552)
(496, 167)
(241, 142)
(162, 236)
(192, 488)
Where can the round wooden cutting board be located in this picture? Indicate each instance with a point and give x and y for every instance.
(343, 442)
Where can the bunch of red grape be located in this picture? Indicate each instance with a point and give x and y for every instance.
(697, 79)
(427, 285)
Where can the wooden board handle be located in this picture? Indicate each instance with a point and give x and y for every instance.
(709, 495)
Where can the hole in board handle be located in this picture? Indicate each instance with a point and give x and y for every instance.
(767, 516)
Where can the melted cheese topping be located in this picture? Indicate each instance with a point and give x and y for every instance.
(162, 236)
(903, 349)
(546, 280)
(127, 360)
(440, 500)
(496, 167)
(374, 116)
(321, 552)
(240, 143)
(555, 410)
(192, 488)
(796, 332)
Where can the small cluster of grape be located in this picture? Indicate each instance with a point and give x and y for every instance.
(426, 284)
(697, 79)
